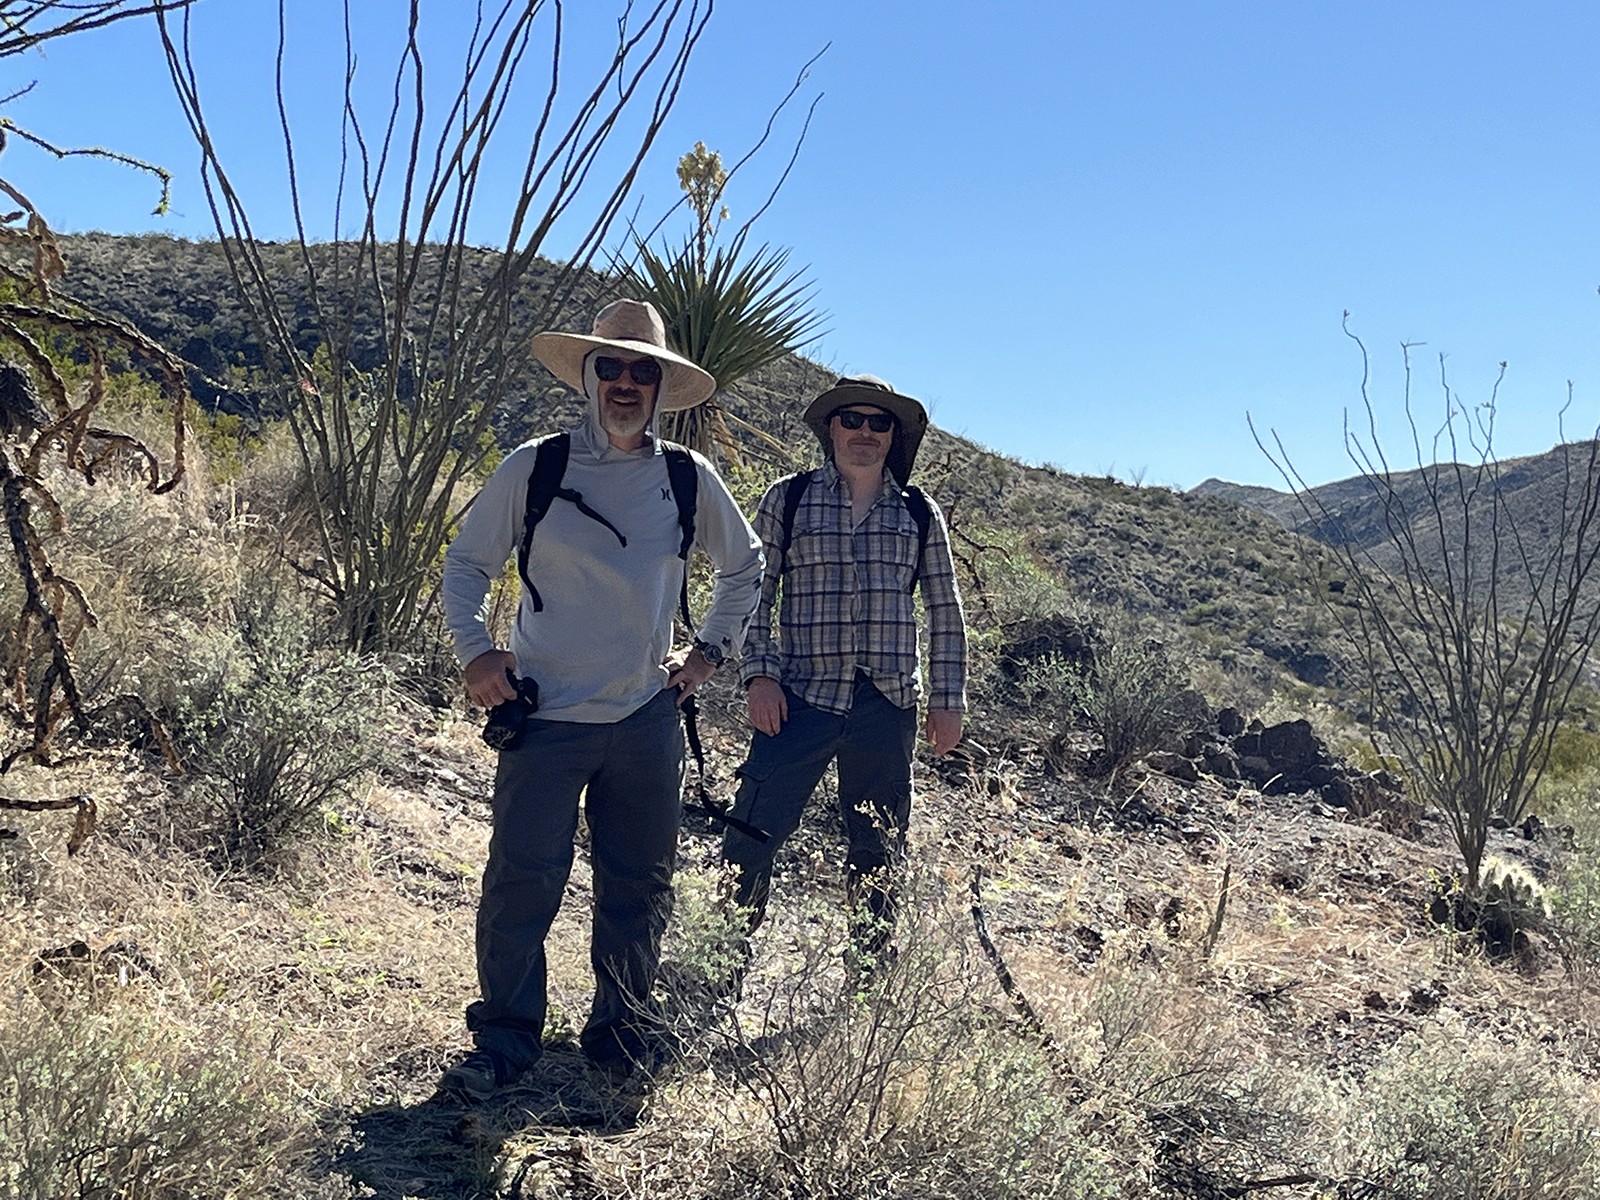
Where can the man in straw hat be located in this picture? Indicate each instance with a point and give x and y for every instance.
(847, 544)
(585, 698)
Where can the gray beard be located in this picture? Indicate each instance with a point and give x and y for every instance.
(618, 426)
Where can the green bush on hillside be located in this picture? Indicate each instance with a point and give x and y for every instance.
(1136, 693)
(1448, 1115)
(1574, 888)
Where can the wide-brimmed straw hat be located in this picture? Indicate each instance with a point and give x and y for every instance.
(633, 326)
(911, 417)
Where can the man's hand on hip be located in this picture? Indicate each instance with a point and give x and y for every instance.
(767, 705)
(487, 684)
(944, 730)
(686, 671)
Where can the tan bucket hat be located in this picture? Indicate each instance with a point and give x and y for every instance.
(912, 418)
(635, 327)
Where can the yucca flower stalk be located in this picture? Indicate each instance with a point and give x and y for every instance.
(732, 312)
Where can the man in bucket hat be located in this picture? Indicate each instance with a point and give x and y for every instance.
(591, 683)
(846, 545)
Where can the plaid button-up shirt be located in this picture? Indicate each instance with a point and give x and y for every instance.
(847, 602)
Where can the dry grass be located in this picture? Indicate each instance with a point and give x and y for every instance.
(339, 982)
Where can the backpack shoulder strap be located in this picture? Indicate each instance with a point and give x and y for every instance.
(916, 502)
(544, 482)
(793, 493)
(684, 480)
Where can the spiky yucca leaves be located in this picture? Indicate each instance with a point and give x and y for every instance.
(732, 313)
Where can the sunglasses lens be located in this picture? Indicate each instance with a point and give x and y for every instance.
(646, 372)
(877, 422)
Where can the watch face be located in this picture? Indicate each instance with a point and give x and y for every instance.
(712, 654)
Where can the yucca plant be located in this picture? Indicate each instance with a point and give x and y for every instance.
(730, 311)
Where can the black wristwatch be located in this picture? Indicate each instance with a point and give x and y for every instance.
(711, 653)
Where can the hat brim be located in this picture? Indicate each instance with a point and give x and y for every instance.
(563, 353)
(913, 419)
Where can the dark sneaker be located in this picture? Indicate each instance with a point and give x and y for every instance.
(479, 1075)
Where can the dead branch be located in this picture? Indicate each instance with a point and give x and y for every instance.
(82, 827)
(1008, 983)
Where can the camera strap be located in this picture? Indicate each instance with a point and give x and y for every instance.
(704, 804)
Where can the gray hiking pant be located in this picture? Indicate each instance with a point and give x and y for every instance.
(633, 770)
(873, 743)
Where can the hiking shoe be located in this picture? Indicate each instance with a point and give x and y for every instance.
(479, 1075)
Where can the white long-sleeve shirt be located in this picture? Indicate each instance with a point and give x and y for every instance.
(597, 647)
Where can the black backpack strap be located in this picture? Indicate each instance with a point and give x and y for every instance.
(916, 502)
(544, 486)
(792, 495)
(549, 465)
(685, 482)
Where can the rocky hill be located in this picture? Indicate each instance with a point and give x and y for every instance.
(1523, 498)
(1218, 576)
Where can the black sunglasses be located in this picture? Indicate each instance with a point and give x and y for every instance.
(877, 422)
(646, 372)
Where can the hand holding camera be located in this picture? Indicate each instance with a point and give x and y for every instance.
(507, 721)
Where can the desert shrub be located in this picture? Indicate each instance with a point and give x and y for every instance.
(1574, 891)
(121, 1103)
(272, 729)
(142, 562)
(912, 1084)
(1574, 753)
(273, 483)
(1007, 592)
(160, 553)
(706, 941)
(1448, 1115)
(1004, 579)
(1170, 1068)
(1136, 693)
(1575, 906)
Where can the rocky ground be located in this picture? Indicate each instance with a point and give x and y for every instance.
(1301, 923)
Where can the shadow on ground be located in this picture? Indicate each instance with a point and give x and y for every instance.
(443, 1149)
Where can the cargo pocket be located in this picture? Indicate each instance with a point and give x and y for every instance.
(739, 847)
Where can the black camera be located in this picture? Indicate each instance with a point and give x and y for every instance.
(506, 723)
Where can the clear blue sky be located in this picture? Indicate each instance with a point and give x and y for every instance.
(1089, 234)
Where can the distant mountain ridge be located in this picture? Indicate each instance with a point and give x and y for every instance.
(1363, 513)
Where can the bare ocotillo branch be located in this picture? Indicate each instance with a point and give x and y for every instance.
(386, 447)
(1472, 631)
